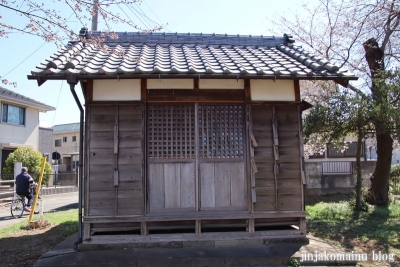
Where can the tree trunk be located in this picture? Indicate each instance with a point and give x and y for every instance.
(379, 190)
(358, 167)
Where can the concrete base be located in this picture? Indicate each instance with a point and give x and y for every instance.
(238, 255)
(213, 241)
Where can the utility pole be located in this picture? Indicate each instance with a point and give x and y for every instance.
(95, 15)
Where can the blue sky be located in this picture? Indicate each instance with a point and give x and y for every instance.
(20, 53)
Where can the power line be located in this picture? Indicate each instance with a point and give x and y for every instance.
(161, 23)
(144, 17)
(137, 16)
(24, 60)
(143, 14)
(153, 12)
(59, 94)
(30, 54)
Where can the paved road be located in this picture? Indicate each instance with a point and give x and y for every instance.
(50, 203)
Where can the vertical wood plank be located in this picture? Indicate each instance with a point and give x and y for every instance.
(238, 185)
(207, 130)
(222, 185)
(253, 195)
(196, 163)
(190, 133)
(116, 201)
(156, 186)
(249, 150)
(172, 185)
(187, 182)
(207, 185)
(86, 181)
(303, 176)
(145, 149)
(276, 154)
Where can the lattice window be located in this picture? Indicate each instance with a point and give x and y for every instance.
(221, 131)
(171, 132)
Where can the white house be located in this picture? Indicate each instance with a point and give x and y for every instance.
(19, 125)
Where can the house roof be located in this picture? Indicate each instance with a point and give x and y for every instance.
(13, 97)
(66, 128)
(187, 55)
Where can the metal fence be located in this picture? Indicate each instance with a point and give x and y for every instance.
(60, 179)
(337, 167)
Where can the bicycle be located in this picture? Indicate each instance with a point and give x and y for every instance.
(18, 204)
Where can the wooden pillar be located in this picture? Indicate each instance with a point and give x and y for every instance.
(143, 89)
(251, 227)
(143, 228)
(297, 90)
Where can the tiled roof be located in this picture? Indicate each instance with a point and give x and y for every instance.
(66, 128)
(12, 96)
(156, 54)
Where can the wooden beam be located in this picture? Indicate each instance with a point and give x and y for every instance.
(143, 90)
(183, 95)
(247, 91)
(196, 83)
(88, 90)
(297, 90)
(204, 215)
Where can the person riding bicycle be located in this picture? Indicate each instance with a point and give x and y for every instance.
(23, 182)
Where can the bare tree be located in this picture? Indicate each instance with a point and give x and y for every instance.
(363, 36)
(50, 20)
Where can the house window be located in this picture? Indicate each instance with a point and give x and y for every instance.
(13, 114)
(74, 138)
(350, 151)
(64, 139)
(58, 143)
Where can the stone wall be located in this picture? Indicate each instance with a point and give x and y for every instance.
(318, 184)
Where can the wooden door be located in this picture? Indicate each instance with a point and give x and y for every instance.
(221, 138)
(174, 133)
(171, 157)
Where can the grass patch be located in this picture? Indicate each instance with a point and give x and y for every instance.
(22, 245)
(68, 218)
(375, 230)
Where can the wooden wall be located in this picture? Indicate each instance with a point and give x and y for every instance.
(223, 186)
(184, 159)
(171, 187)
(114, 147)
(278, 180)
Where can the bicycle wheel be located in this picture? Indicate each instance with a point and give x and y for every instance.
(17, 208)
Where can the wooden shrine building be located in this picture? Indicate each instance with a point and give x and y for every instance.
(191, 136)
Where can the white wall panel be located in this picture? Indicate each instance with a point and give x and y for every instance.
(170, 84)
(221, 84)
(114, 90)
(268, 90)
